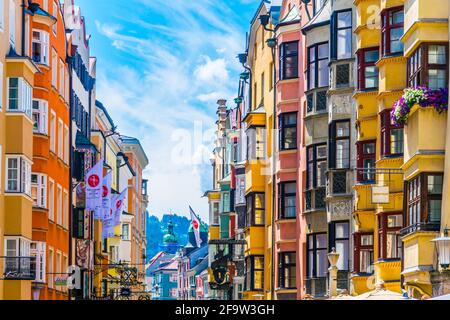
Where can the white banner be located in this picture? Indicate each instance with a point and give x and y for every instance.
(106, 195)
(196, 227)
(118, 206)
(94, 186)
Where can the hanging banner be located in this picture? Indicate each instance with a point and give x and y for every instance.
(94, 186)
(118, 206)
(103, 211)
(108, 229)
(196, 226)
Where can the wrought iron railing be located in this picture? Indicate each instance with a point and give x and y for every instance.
(422, 226)
(19, 268)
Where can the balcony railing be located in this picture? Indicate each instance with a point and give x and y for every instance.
(422, 226)
(19, 268)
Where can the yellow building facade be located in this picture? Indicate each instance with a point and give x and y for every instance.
(16, 154)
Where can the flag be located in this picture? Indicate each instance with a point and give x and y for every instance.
(196, 226)
(106, 195)
(94, 186)
(118, 206)
(108, 229)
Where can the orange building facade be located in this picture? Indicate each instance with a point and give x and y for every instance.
(51, 145)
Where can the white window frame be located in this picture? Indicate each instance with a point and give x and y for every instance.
(54, 68)
(41, 190)
(59, 205)
(44, 42)
(22, 247)
(23, 175)
(58, 267)
(24, 96)
(53, 131)
(127, 237)
(51, 199)
(39, 253)
(62, 72)
(60, 138)
(55, 14)
(51, 260)
(40, 113)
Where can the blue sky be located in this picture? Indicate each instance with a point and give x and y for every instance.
(162, 65)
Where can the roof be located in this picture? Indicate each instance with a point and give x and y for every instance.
(320, 19)
(126, 140)
(196, 256)
(82, 141)
(100, 105)
(293, 15)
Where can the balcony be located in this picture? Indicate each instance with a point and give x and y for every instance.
(19, 268)
(422, 226)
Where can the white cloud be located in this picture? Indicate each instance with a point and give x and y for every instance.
(184, 67)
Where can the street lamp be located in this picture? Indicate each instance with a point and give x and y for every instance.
(443, 248)
(333, 257)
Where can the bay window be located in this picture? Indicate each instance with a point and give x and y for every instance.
(39, 190)
(19, 96)
(215, 213)
(339, 151)
(316, 101)
(427, 66)
(288, 131)
(317, 260)
(317, 166)
(317, 73)
(41, 47)
(339, 239)
(367, 69)
(363, 253)
(317, 5)
(287, 200)
(287, 270)
(40, 112)
(392, 31)
(255, 209)
(341, 32)
(389, 238)
(18, 179)
(256, 145)
(289, 60)
(424, 202)
(254, 278)
(18, 263)
(366, 161)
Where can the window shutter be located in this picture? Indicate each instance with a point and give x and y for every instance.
(332, 145)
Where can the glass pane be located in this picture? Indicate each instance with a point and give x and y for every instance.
(434, 211)
(367, 240)
(344, 19)
(321, 151)
(436, 54)
(290, 118)
(396, 141)
(321, 241)
(321, 173)
(290, 138)
(259, 263)
(322, 263)
(342, 154)
(259, 280)
(396, 17)
(435, 184)
(290, 187)
(437, 78)
(343, 250)
(396, 44)
(365, 261)
(371, 77)
(344, 44)
(342, 230)
(312, 54)
(371, 56)
(342, 129)
(323, 73)
(391, 245)
(369, 148)
(395, 221)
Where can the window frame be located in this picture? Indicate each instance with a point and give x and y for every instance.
(23, 175)
(358, 248)
(386, 138)
(283, 126)
(250, 281)
(387, 27)
(361, 157)
(284, 65)
(41, 190)
(251, 209)
(282, 195)
(313, 274)
(24, 99)
(42, 117)
(333, 143)
(333, 239)
(420, 75)
(383, 230)
(44, 43)
(314, 64)
(362, 65)
(314, 163)
(284, 266)
(335, 35)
